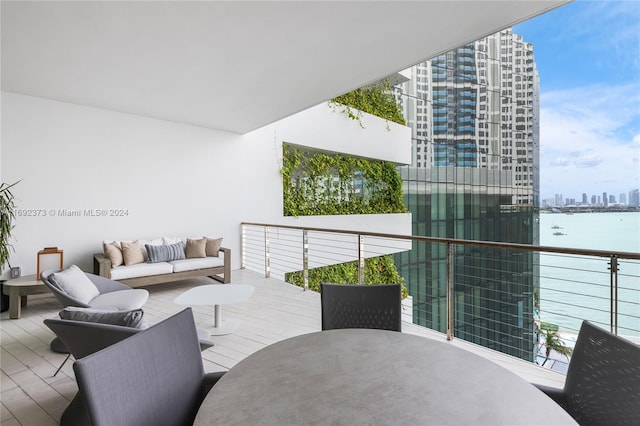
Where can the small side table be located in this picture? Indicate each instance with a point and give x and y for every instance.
(18, 289)
(217, 295)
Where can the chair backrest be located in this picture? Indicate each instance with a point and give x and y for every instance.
(153, 377)
(361, 306)
(62, 297)
(603, 378)
(83, 338)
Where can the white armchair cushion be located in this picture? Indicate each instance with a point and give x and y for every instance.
(75, 283)
(121, 300)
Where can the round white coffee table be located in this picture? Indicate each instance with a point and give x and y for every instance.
(217, 295)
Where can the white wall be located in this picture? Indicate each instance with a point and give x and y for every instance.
(171, 179)
(168, 176)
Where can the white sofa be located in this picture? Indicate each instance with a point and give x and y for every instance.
(135, 266)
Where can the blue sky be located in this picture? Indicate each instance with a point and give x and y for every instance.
(588, 57)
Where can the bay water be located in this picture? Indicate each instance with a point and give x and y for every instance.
(573, 288)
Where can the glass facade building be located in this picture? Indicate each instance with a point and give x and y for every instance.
(474, 117)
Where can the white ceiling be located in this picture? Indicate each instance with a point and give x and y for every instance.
(235, 66)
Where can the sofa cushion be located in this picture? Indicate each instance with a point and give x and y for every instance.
(213, 246)
(164, 253)
(113, 252)
(133, 318)
(140, 270)
(75, 283)
(121, 300)
(167, 241)
(197, 263)
(132, 252)
(195, 248)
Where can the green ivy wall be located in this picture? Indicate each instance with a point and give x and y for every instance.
(319, 183)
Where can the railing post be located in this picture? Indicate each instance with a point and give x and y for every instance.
(243, 258)
(267, 255)
(360, 259)
(305, 259)
(449, 299)
(613, 268)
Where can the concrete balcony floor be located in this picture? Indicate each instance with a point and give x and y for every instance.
(276, 311)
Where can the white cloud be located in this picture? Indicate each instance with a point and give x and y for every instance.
(560, 162)
(590, 140)
(588, 160)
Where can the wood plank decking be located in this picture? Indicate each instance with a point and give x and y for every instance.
(30, 395)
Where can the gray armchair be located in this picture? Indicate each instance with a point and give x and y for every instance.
(111, 294)
(603, 379)
(375, 306)
(154, 377)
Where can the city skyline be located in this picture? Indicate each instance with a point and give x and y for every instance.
(587, 57)
(592, 199)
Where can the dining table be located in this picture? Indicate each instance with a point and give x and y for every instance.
(373, 377)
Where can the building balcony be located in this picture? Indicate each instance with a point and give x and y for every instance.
(277, 310)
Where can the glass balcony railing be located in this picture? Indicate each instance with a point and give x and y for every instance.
(503, 296)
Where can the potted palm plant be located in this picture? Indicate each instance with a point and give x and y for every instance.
(7, 216)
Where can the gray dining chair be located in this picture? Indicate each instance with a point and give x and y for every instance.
(375, 306)
(602, 386)
(153, 377)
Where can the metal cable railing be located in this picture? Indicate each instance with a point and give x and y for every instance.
(499, 295)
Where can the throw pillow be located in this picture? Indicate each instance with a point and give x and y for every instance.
(164, 253)
(113, 253)
(143, 244)
(167, 241)
(132, 252)
(196, 248)
(134, 318)
(213, 246)
(75, 283)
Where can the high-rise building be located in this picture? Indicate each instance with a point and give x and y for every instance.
(612, 199)
(584, 198)
(594, 200)
(634, 198)
(559, 200)
(605, 199)
(623, 198)
(474, 116)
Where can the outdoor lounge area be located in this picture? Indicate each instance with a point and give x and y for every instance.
(139, 119)
(276, 311)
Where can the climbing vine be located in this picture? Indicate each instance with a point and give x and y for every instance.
(376, 99)
(378, 270)
(316, 183)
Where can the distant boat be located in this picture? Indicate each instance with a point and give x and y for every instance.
(555, 227)
(558, 233)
